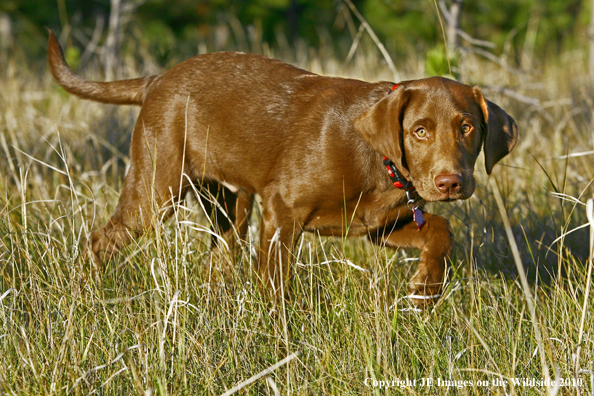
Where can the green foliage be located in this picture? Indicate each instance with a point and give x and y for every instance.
(557, 21)
(437, 63)
(405, 24)
(72, 56)
(158, 38)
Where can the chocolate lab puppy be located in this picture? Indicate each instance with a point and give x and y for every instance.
(329, 155)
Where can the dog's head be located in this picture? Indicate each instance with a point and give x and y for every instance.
(433, 130)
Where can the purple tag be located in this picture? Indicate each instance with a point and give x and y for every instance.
(419, 218)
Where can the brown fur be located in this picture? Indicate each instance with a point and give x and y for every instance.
(311, 146)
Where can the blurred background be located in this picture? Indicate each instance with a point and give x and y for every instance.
(173, 30)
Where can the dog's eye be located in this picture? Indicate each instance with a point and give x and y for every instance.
(421, 132)
(466, 129)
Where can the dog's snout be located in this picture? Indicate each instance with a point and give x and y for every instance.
(448, 184)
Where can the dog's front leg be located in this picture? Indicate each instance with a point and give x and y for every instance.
(278, 234)
(435, 240)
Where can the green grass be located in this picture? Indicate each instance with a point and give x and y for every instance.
(161, 320)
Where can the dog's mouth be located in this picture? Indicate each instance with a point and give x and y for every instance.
(430, 193)
(449, 198)
(436, 196)
(457, 197)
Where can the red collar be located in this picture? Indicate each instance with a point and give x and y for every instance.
(414, 200)
(396, 177)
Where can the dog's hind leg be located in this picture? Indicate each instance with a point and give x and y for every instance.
(151, 186)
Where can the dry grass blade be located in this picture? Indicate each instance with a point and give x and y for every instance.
(590, 215)
(375, 39)
(261, 374)
(524, 281)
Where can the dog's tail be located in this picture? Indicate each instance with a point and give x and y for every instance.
(124, 92)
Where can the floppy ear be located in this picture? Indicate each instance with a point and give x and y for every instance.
(501, 132)
(381, 126)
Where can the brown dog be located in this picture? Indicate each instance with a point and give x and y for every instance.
(310, 146)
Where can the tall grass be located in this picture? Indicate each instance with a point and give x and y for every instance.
(169, 316)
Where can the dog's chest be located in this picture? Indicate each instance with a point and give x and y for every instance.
(358, 217)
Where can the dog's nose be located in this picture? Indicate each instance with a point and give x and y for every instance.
(448, 184)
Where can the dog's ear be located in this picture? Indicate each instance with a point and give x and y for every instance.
(500, 131)
(381, 126)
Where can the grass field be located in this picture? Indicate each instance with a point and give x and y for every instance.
(160, 320)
